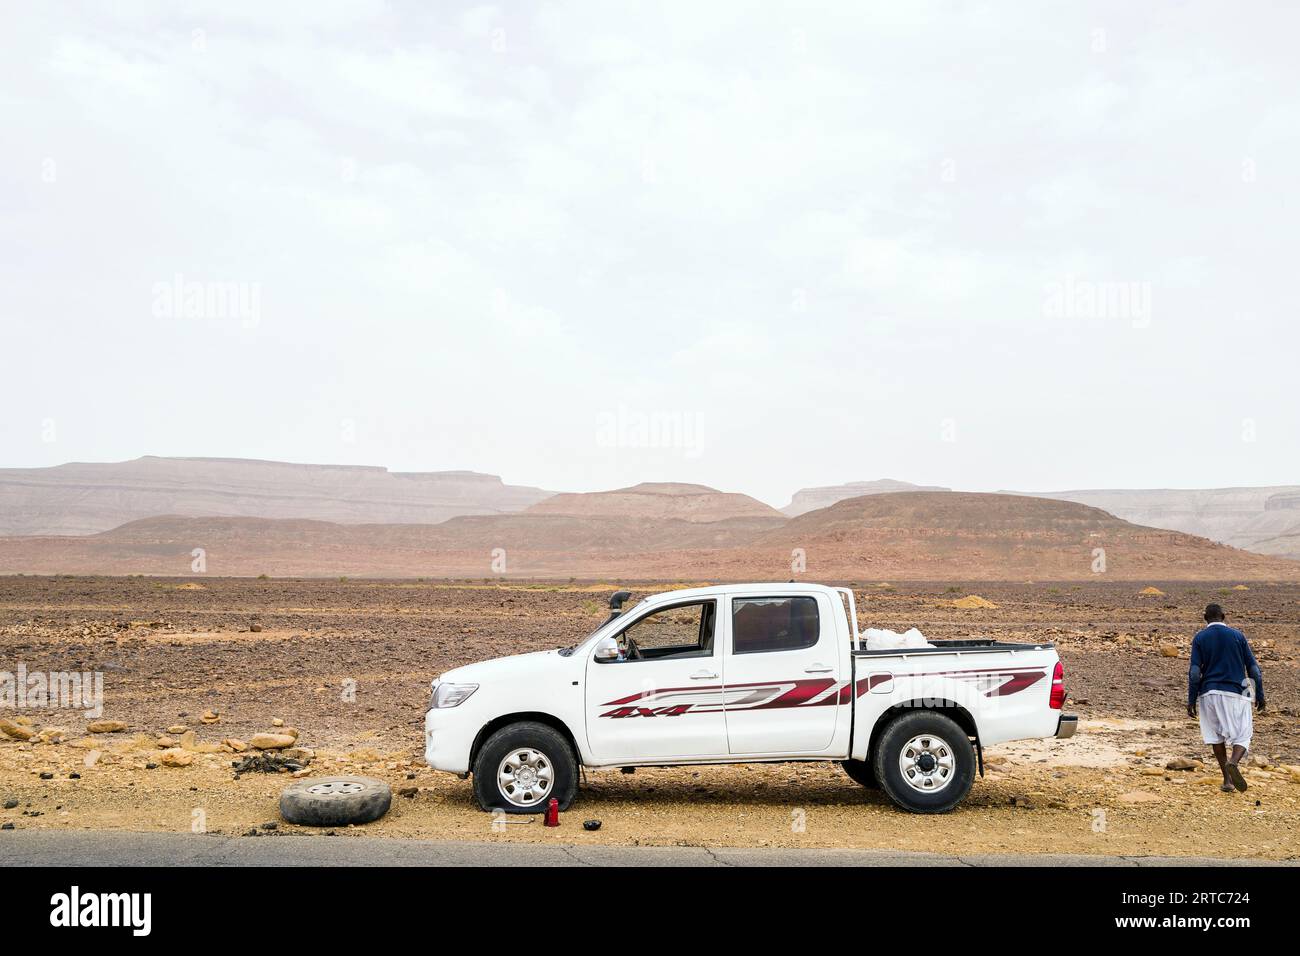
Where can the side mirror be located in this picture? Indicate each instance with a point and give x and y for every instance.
(606, 650)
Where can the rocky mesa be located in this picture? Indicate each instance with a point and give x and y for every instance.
(86, 498)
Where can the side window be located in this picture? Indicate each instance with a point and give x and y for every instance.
(684, 630)
(760, 625)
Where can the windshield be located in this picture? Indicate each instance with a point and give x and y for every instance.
(568, 651)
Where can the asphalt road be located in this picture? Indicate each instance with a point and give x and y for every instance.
(111, 848)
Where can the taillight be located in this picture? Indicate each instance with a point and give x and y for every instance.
(1057, 700)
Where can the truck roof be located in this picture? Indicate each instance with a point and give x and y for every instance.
(765, 587)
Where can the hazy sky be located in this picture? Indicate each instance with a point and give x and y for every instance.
(582, 245)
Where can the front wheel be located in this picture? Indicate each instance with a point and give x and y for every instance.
(925, 762)
(522, 767)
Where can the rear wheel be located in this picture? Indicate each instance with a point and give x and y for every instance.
(861, 772)
(925, 762)
(522, 767)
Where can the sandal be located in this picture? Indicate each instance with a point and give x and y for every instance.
(1234, 774)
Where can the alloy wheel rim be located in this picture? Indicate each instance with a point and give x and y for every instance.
(525, 777)
(928, 763)
(335, 788)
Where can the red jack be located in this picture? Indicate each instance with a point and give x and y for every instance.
(552, 813)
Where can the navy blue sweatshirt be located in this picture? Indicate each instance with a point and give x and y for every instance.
(1222, 660)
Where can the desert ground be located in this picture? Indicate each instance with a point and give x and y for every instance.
(257, 651)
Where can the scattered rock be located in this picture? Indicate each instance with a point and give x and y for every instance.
(271, 741)
(177, 729)
(176, 758)
(1139, 796)
(1151, 592)
(16, 730)
(106, 727)
(210, 717)
(151, 766)
(235, 744)
(1168, 650)
(52, 735)
(255, 628)
(47, 774)
(6, 826)
(166, 743)
(408, 792)
(277, 721)
(11, 804)
(1019, 801)
(973, 601)
(1184, 763)
(1259, 760)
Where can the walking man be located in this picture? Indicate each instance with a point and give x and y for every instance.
(1216, 681)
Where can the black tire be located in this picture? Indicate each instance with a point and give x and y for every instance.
(335, 801)
(526, 735)
(948, 739)
(861, 772)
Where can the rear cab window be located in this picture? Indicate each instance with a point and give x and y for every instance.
(763, 625)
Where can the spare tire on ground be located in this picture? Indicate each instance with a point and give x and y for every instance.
(335, 801)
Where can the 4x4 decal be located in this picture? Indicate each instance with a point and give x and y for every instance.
(773, 695)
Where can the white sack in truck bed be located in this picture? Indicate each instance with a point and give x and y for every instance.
(882, 639)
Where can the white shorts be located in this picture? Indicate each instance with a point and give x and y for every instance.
(1226, 718)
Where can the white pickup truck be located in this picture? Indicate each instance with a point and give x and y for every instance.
(741, 673)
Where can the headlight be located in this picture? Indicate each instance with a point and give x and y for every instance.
(451, 695)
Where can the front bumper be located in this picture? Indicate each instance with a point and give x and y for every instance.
(1066, 726)
(447, 741)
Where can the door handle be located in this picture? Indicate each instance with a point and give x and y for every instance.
(818, 669)
(704, 675)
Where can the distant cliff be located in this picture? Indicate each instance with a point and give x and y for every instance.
(810, 499)
(1265, 520)
(84, 498)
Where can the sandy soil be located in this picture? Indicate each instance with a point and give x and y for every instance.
(171, 650)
